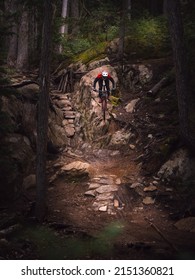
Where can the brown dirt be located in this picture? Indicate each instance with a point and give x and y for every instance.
(144, 231)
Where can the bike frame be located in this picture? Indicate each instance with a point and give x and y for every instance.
(104, 98)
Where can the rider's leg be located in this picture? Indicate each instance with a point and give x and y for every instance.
(107, 88)
(100, 97)
(100, 90)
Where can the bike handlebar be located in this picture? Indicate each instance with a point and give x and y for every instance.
(101, 91)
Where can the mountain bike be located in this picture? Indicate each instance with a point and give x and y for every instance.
(104, 99)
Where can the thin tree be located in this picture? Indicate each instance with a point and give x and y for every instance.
(64, 27)
(11, 8)
(74, 13)
(129, 9)
(173, 11)
(22, 62)
(122, 31)
(42, 124)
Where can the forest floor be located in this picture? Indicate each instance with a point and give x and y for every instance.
(131, 231)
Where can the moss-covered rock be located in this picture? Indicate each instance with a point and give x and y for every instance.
(96, 52)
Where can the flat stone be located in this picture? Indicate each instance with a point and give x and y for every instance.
(116, 203)
(169, 189)
(187, 224)
(135, 185)
(107, 181)
(115, 153)
(120, 137)
(96, 179)
(65, 122)
(132, 147)
(76, 166)
(70, 131)
(69, 115)
(150, 189)
(90, 193)
(104, 179)
(29, 182)
(118, 181)
(70, 121)
(67, 109)
(148, 200)
(93, 186)
(130, 107)
(97, 205)
(105, 196)
(103, 208)
(107, 188)
(64, 97)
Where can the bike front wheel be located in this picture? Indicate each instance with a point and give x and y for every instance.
(104, 108)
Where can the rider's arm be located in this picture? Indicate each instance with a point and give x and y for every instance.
(112, 81)
(95, 81)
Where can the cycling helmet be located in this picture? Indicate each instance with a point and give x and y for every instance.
(104, 74)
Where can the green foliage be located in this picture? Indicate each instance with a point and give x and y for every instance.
(100, 25)
(148, 37)
(115, 100)
(102, 22)
(112, 32)
(104, 242)
(48, 244)
(74, 46)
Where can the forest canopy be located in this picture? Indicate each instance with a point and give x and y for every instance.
(81, 25)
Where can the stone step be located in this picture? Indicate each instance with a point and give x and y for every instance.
(103, 189)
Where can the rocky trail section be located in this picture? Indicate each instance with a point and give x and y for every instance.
(95, 177)
(104, 189)
(113, 189)
(97, 190)
(63, 102)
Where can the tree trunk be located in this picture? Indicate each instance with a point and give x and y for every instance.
(74, 13)
(42, 125)
(22, 62)
(10, 7)
(129, 9)
(181, 67)
(122, 32)
(156, 7)
(165, 7)
(33, 36)
(64, 27)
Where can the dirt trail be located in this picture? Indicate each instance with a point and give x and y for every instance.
(144, 231)
(87, 207)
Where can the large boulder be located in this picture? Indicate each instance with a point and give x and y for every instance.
(75, 169)
(91, 126)
(17, 163)
(179, 167)
(18, 142)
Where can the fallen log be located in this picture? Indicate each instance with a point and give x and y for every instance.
(163, 82)
(21, 84)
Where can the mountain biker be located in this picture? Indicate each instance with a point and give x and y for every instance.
(101, 77)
